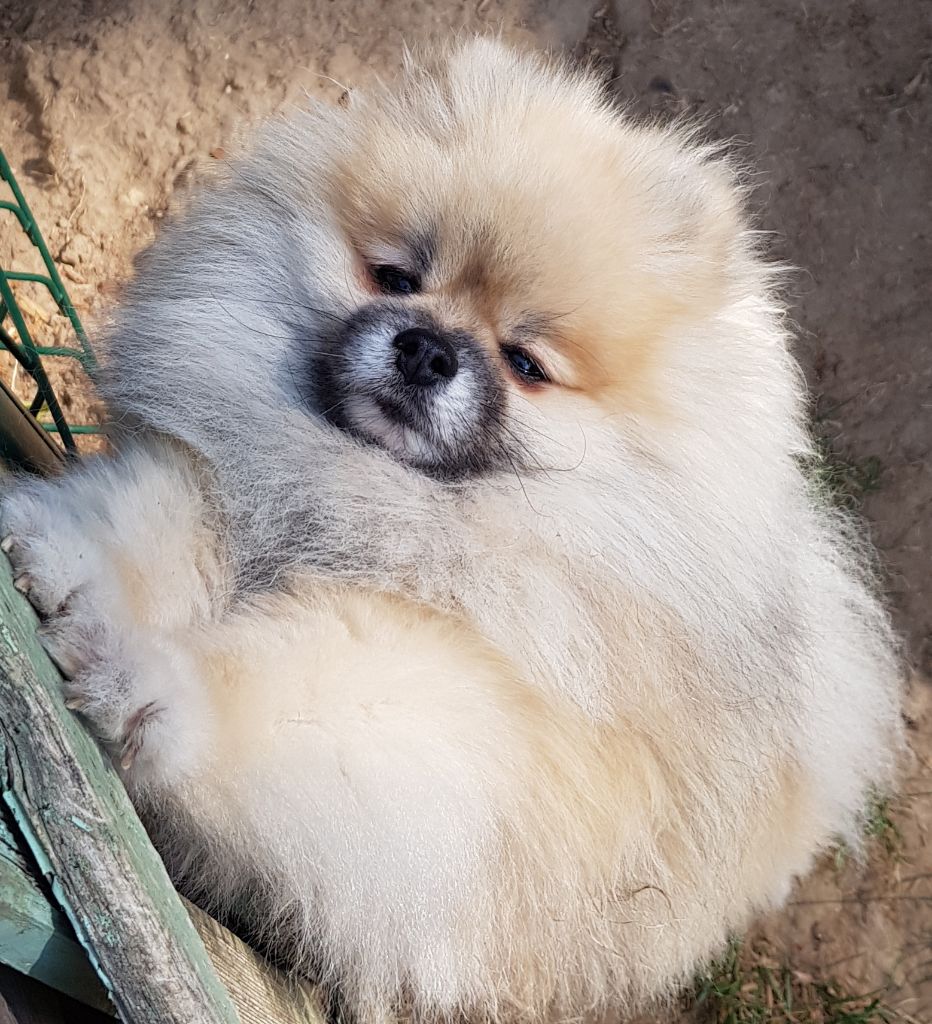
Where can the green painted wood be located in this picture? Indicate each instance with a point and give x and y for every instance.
(72, 813)
(35, 938)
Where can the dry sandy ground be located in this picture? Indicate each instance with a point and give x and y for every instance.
(107, 109)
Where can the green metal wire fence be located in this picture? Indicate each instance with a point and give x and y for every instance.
(23, 347)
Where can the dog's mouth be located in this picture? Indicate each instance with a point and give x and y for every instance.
(388, 424)
(393, 412)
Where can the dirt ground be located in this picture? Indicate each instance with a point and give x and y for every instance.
(107, 110)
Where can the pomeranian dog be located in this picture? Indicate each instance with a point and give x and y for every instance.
(455, 602)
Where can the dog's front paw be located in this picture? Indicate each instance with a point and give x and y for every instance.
(134, 686)
(137, 690)
(102, 672)
(51, 562)
(109, 555)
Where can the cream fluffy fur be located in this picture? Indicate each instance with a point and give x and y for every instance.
(522, 746)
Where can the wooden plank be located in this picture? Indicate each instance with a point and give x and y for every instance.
(23, 441)
(73, 814)
(261, 994)
(35, 938)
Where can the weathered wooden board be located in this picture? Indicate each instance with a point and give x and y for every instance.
(35, 938)
(261, 994)
(22, 441)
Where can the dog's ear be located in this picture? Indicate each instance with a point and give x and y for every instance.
(693, 200)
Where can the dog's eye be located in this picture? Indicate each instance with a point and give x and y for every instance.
(523, 366)
(396, 282)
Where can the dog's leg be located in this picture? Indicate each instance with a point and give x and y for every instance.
(116, 556)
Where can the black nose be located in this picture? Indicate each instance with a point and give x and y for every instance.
(424, 358)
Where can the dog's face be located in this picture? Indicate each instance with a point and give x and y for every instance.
(507, 258)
